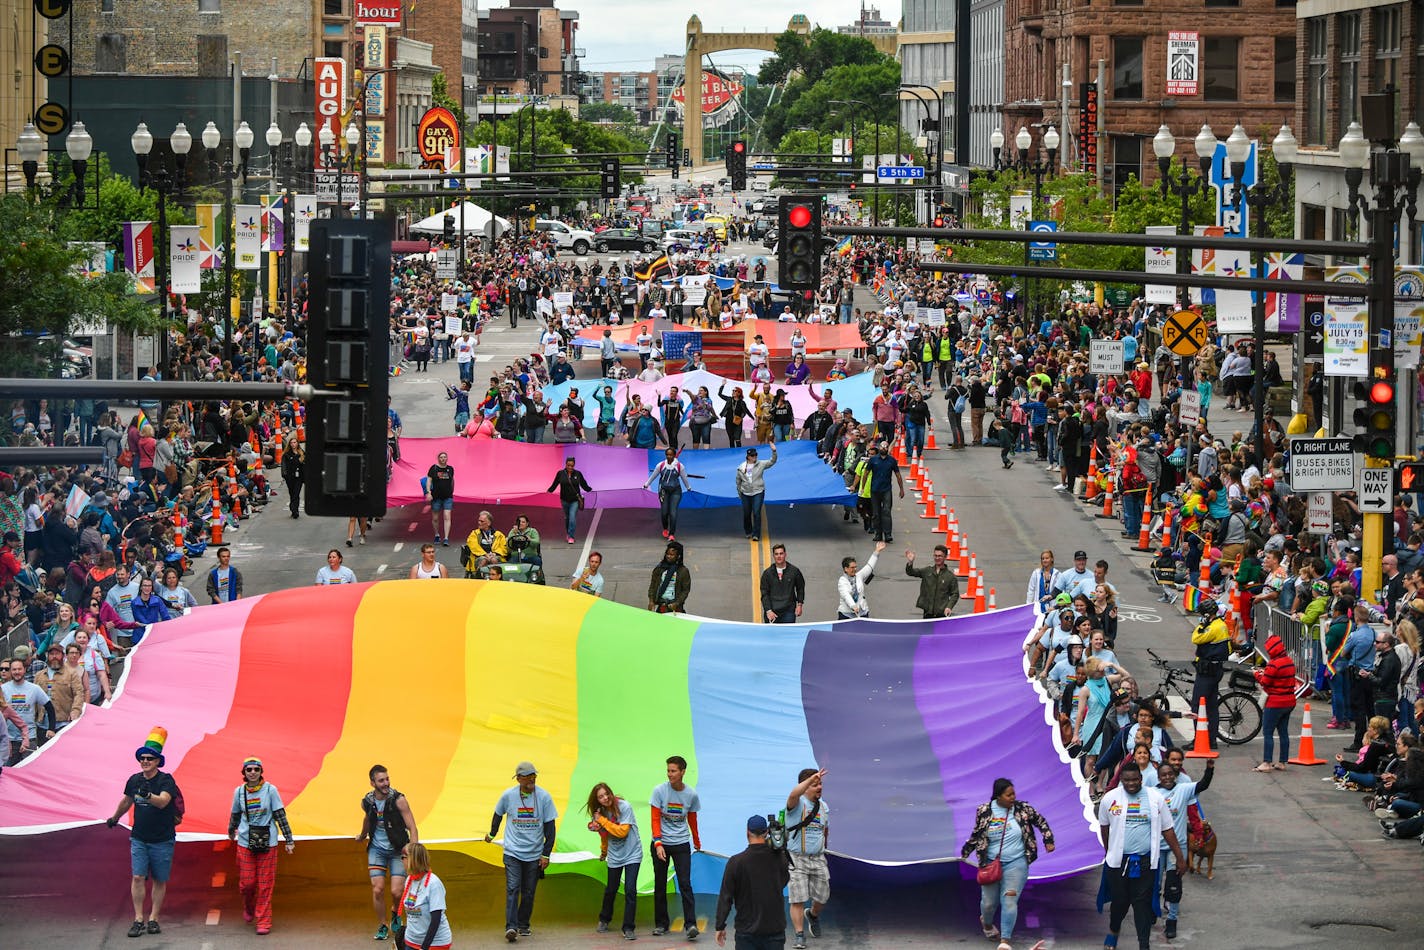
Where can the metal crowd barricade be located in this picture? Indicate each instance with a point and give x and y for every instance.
(18, 635)
(1300, 642)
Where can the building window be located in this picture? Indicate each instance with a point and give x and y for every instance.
(1127, 3)
(1219, 67)
(1348, 28)
(1223, 3)
(1387, 43)
(107, 6)
(1312, 222)
(1127, 160)
(1315, 81)
(209, 6)
(1127, 67)
(1285, 69)
(334, 7)
(333, 49)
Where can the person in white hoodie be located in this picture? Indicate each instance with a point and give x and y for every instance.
(852, 583)
(1136, 827)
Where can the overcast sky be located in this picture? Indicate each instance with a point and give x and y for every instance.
(620, 35)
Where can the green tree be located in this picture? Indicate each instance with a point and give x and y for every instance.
(813, 55)
(440, 96)
(607, 112)
(42, 293)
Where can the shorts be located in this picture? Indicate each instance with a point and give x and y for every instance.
(383, 862)
(605, 430)
(442, 504)
(151, 859)
(810, 879)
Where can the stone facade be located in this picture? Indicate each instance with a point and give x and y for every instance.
(20, 81)
(1045, 34)
(187, 38)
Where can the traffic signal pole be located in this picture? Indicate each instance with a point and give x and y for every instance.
(1382, 214)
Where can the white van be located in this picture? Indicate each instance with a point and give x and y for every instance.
(761, 185)
(566, 238)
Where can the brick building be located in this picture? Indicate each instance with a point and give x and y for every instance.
(1245, 61)
(636, 91)
(1348, 49)
(529, 48)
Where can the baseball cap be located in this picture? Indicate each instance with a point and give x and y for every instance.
(1078, 554)
(756, 824)
(525, 768)
(1062, 600)
(22, 652)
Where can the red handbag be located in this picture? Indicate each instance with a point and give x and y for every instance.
(992, 872)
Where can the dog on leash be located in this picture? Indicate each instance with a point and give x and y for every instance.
(1201, 846)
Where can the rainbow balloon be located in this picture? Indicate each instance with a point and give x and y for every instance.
(449, 685)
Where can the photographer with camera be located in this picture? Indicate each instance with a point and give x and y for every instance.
(807, 829)
(157, 805)
(752, 882)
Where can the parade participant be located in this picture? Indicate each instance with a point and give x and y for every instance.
(671, 582)
(1004, 847)
(783, 589)
(571, 486)
(939, 588)
(674, 806)
(589, 580)
(1178, 792)
(155, 800)
(852, 584)
(225, 581)
(486, 544)
(1041, 583)
(388, 824)
(621, 848)
(807, 834)
(423, 904)
(440, 492)
(426, 567)
(751, 489)
(671, 476)
(1136, 825)
(333, 572)
(256, 806)
(528, 842)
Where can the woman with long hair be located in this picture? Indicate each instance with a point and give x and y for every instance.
(65, 623)
(701, 414)
(95, 666)
(423, 903)
(1003, 836)
(1090, 729)
(734, 413)
(621, 849)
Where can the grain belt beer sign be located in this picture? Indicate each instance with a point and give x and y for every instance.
(438, 131)
(387, 12)
(718, 91)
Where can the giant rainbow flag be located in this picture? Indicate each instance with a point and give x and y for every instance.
(450, 685)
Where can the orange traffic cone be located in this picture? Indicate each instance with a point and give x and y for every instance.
(1167, 527)
(1202, 749)
(971, 582)
(993, 605)
(1204, 582)
(943, 524)
(929, 511)
(1092, 489)
(952, 541)
(1107, 511)
(931, 444)
(215, 528)
(973, 570)
(899, 451)
(277, 447)
(963, 569)
(1307, 743)
(1144, 534)
(301, 422)
(177, 530)
(979, 605)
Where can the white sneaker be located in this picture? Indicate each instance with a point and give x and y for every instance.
(363, 539)
(1060, 488)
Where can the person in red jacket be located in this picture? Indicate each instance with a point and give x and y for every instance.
(1277, 679)
(10, 565)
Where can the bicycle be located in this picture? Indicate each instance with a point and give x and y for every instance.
(1238, 712)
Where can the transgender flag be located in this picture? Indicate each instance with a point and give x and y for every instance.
(273, 223)
(1283, 310)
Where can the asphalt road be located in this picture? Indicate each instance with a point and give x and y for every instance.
(1298, 865)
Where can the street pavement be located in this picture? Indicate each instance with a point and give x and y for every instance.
(1298, 865)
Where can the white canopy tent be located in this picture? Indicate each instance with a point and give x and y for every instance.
(476, 221)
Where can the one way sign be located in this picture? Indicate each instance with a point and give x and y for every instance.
(1376, 490)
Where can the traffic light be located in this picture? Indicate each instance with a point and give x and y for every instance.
(610, 178)
(798, 248)
(1376, 418)
(1409, 477)
(672, 153)
(348, 351)
(737, 165)
(447, 226)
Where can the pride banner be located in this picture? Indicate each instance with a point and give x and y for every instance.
(247, 237)
(274, 211)
(185, 272)
(913, 719)
(211, 234)
(305, 213)
(138, 255)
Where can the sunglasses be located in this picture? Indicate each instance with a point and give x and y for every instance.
(252, 768)
(148, 758)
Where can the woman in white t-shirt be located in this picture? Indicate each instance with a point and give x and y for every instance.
(422, 903)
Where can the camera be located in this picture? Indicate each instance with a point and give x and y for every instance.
(775, 833)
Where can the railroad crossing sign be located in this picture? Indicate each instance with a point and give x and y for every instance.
(1184, 333)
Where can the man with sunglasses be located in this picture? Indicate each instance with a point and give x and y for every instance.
(156, 804)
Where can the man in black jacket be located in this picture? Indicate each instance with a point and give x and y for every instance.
(783, 588)
(753, 881)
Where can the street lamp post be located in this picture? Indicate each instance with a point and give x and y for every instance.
(938, 163)
(78, 144)
(1184, 186)
(850, 153)
(165, 182)
(229, 173)
(1038, 168)
(301, 139)
(1238, 148)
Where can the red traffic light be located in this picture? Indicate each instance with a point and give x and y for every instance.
(1382, 393)
(739, 147)
(799, 216)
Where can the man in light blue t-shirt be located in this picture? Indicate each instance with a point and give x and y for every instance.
(808, 825)
(528, 842)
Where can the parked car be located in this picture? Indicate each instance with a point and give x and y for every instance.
(565, 237)
(761, 185)
(680, 239)
(770, 240)
(623, 239)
